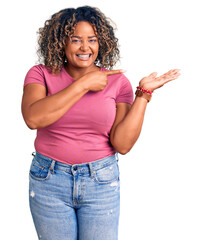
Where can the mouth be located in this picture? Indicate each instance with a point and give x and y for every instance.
(84, 56)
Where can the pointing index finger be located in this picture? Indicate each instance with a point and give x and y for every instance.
(112, 72)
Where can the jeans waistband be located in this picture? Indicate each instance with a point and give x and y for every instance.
(80, 168)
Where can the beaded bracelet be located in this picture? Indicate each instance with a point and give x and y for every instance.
(144, 90)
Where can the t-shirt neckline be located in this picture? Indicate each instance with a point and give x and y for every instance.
(70, 77)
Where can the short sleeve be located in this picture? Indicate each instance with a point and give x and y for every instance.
(125, 93)
(35, 75)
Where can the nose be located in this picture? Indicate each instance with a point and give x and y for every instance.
(84, 45)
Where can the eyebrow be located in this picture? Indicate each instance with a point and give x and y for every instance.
(81, 37)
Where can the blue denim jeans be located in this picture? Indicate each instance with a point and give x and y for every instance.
(75, 202)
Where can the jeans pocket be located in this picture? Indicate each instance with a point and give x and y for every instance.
(38, 170)
(107, 174)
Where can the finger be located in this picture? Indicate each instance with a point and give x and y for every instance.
(176, 70)
(112, 72)
(153, 74)
(169, 78)
(171, 72)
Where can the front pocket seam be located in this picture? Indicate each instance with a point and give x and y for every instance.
(37, 164)
(38, 178)
(108, 181)
(105, 182)
(106, 165)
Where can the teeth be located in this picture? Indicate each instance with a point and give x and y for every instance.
(84, 56)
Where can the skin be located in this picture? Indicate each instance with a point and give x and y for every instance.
(152, 82)
(40, 110)
(129, 118)
(129, 127)
(83, 42)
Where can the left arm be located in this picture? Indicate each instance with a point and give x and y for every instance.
(128, 130)
(128, 122)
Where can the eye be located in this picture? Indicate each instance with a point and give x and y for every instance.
(75, 40)
(93, 40)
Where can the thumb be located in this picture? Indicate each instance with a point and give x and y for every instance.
(112, 72)
(153, 74)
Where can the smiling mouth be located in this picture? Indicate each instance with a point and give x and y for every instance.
(84, 56)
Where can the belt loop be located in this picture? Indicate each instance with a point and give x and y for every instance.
(91, 169)
(52, 166)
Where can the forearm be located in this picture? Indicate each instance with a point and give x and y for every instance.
(49, 109)
(128, 130)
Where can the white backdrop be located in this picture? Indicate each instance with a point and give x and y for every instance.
(161, 176)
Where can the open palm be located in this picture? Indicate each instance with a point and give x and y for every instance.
(152, 82)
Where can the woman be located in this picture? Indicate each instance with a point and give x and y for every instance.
(85, 114)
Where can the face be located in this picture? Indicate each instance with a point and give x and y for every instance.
(82, 48)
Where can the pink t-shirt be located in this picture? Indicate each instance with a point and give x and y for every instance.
(81, 135)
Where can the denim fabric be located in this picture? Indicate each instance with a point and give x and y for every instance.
(75, 202)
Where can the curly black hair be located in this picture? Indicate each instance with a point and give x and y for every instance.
(61, 25)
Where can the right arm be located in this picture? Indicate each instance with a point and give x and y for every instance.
(39, 110)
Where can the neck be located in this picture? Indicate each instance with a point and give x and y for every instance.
(77, 73)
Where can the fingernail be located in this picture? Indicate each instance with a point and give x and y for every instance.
(123, 70)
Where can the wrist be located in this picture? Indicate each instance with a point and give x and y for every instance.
(144, 93)
(144, 90)
(144, 86)
(83, 84)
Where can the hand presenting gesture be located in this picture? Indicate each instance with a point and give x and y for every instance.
(152, 82)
